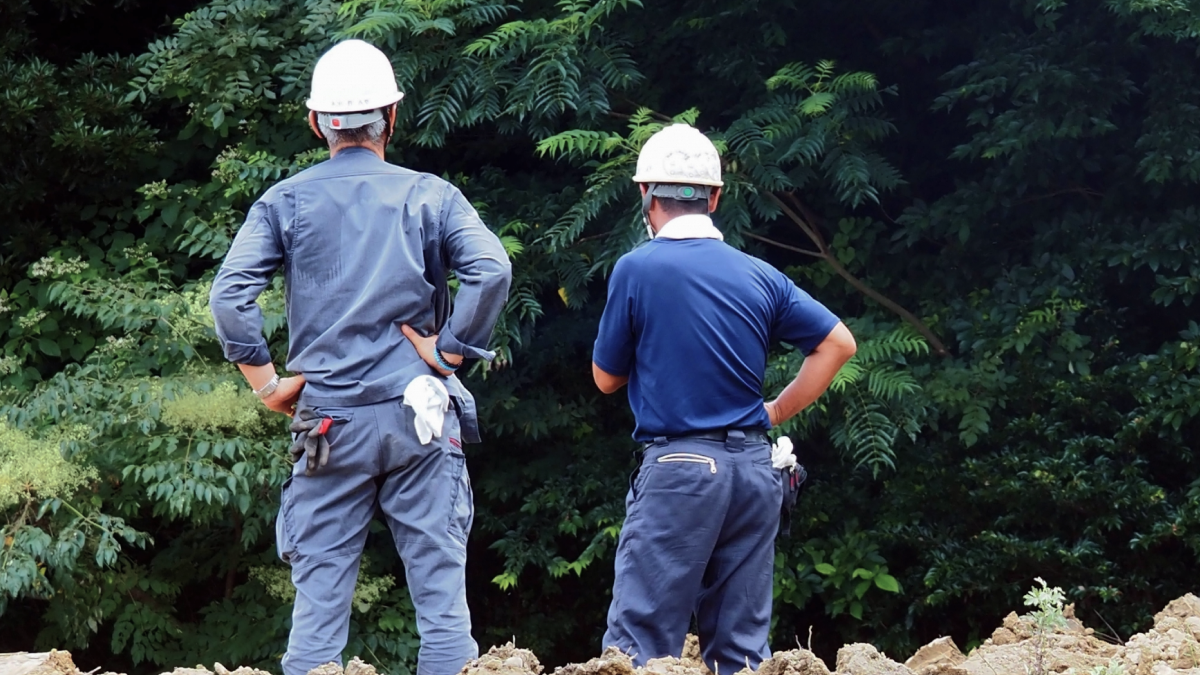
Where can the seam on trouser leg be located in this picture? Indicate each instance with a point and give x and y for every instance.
(425, 544)
(316, 560)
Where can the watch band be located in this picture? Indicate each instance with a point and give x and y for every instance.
(268, 388)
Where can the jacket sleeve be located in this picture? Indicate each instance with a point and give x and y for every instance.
(484, 275)
(256, 253)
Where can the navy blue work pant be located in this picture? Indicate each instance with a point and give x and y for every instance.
(699, 538)
(425, 495)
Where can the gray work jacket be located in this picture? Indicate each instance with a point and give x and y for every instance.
(352, 236)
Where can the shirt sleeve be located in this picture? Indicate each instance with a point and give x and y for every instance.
(484, 275)
(256, 253)
(613, 350)
(799, 320)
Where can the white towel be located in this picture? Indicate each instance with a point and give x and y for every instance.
(781, 454)
(428, 398)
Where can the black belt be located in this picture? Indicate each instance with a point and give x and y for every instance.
(722, 436)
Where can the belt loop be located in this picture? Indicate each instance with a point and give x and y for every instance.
(735, 440)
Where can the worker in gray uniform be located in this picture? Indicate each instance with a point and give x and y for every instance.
(688, 326)
(380, 417)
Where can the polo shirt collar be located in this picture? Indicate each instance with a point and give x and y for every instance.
(693, 226)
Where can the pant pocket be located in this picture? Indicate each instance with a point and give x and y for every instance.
(340, 416)
(283, 531)
(462, 504)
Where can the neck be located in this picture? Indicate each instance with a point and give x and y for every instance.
(335, 149)
(659, 220)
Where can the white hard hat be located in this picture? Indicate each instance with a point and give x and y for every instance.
(353, 76)
(679, 154)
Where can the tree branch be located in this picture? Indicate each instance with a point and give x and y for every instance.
(797, 249)
(808, 223)
(661, 117)
(1086, 192)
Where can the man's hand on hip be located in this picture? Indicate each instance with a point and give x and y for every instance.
(773, 413)
(283, 399)
(426, 347)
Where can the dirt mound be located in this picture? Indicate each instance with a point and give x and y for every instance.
(670, 665)
(865, 659)
(794, 662)
(219, 669)
(45, 663)
(505, 660)
(1016, 648)
(1171, 646)
(612, 662)
(692, 655)
(940, 657)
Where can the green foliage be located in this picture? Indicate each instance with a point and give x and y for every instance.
(843, 570)
(34, 469)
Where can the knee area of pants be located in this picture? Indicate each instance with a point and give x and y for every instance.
(447, 641)
(444, 663)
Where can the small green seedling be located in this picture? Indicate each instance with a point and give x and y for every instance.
(1047, 616)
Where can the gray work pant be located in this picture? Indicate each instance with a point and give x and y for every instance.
(425, 495)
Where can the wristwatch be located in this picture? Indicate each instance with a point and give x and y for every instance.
(268, 388)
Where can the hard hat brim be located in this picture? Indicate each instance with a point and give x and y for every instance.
(353, 106)
(652, 178)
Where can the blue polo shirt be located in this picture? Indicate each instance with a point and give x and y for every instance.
(690, 322)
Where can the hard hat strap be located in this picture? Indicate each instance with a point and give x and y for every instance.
(646, 199)
(683, 193)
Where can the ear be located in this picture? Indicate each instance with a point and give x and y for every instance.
(642, 187)
(312, 124)
(390, 116)
(713, 199)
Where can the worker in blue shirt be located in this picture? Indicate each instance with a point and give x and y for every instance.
(380, 418)
(688, 325)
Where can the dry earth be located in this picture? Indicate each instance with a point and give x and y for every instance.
(1171, 647)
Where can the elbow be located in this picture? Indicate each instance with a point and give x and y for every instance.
(497, 273)
(850, 347)
(841, 343)
(606, 382)
(504, 271)
(220, 309)
(215, 305)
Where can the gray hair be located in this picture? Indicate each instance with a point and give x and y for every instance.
(371, 133)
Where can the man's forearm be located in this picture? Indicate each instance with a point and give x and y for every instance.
(813, 379)
(815, 376)
(257, 376)
(482, 294)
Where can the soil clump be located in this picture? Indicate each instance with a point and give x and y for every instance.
(504, 660)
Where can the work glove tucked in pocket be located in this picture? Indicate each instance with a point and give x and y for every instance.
(310, 442)
(794, 477)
